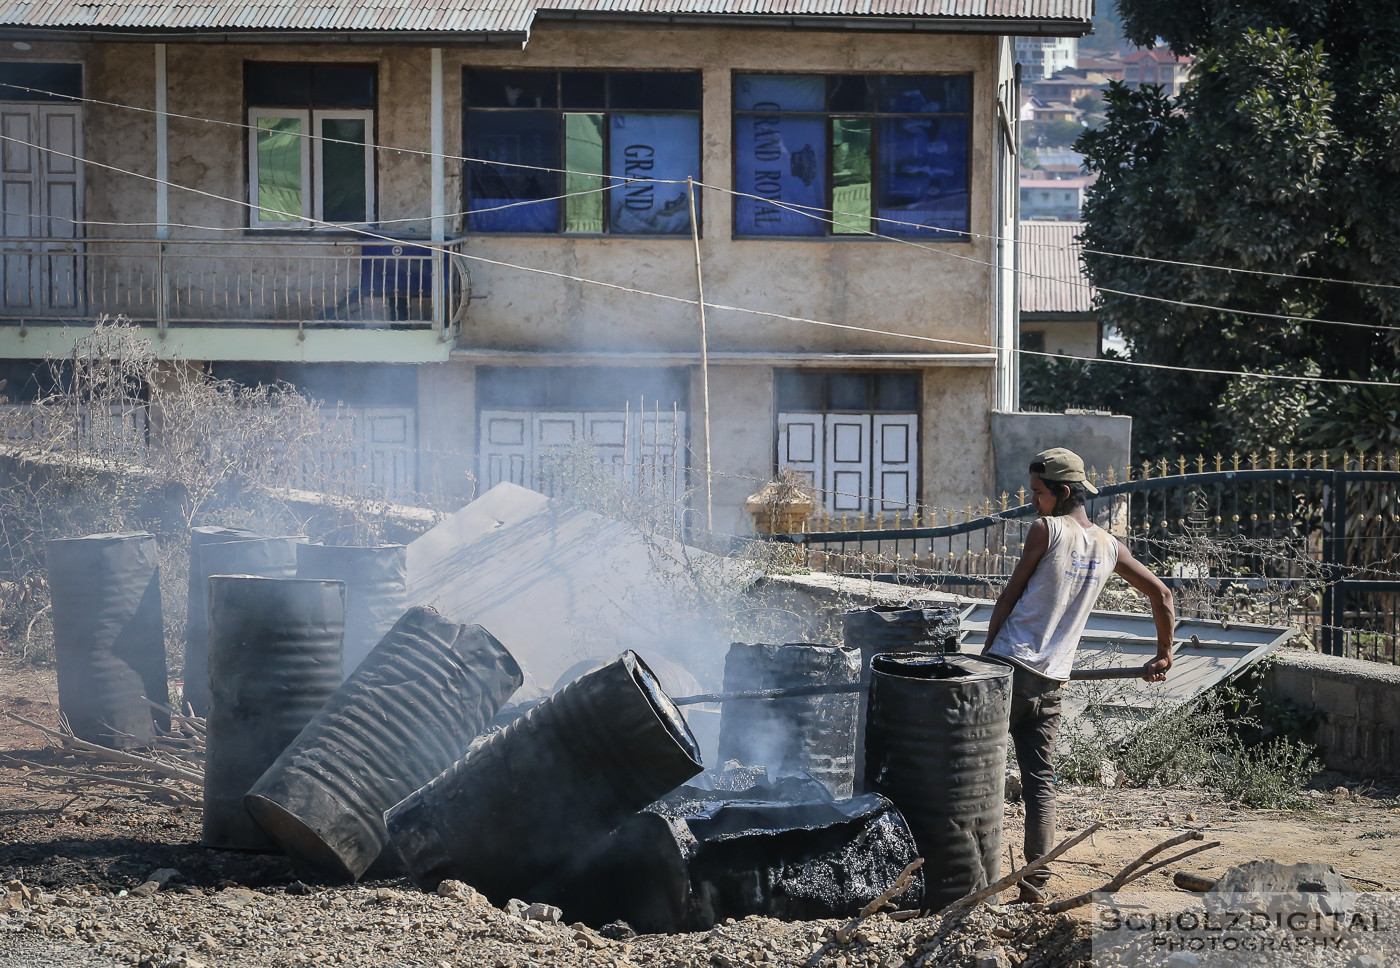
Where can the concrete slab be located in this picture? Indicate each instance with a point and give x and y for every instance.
(558, 585)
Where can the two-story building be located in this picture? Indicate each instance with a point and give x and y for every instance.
(485, 226)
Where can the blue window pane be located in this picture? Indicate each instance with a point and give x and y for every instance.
(501, 140)
(654, 90)
(652, 146)
(923, 179)
(510, 89)
(783, 159)
(925, 94)
(779, 92)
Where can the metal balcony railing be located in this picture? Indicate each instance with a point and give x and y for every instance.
(307, 282)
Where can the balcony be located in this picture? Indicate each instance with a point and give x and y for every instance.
(297, 285)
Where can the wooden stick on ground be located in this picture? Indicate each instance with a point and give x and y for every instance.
(994, 889)
(901, 884)
(117, 756)
(1131, 872)
(105, 780)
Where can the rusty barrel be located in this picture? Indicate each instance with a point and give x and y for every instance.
(804, 734)
(376, 589)
(406, 714)
(107, 636)
(544, 790)
(274, 660)
(936, 746)
(914, 627)
(223, 551)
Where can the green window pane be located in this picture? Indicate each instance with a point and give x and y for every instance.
(850, 176)
(343, 197)
(583, 158)
(279, 169)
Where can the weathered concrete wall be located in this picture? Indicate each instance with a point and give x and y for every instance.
(1103, 440)
(955, 456)
(447, 430)
(743, 422)
(930, 289)
(1078, 338)
(1361, 701)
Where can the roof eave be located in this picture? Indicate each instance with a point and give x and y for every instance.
(1013, 26)
(156, 35)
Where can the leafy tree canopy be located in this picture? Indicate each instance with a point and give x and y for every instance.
(1281, 156)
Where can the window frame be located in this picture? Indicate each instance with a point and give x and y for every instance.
(562, 114)
(874, 117)
(312, 150)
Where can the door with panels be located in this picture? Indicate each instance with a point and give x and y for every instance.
(853, 436)
(41, 198)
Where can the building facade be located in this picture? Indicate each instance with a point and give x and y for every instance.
(486, 231)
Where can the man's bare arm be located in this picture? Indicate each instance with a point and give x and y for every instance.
(1163, 616)
(1037, 541)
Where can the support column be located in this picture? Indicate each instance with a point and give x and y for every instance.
(439, 201)
(162, 148)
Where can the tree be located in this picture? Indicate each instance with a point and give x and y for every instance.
(1282, 155)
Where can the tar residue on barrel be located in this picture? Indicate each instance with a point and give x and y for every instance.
(730, 858)
(409, 712)
(549, 786)
(915, 627)
(376, 589)
(224, 551)
(936, 746)
(107, 636)
(274, 660)
(804, 734)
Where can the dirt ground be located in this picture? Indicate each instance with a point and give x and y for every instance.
(102, 846)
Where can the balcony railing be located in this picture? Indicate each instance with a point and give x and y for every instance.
(249, 281)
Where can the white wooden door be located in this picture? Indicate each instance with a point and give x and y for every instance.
(895, 462)
(800, 443)
(847, 454)
(506, 449)
(388, 440)
(41, 207)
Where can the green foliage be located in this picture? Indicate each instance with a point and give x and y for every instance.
(1279, 156)
(1267, 776)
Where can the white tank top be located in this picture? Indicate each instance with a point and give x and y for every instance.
(1043, 629)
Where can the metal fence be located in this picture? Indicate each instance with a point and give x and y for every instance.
(1308, 544)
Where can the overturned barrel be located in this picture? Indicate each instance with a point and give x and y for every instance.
(223, 551)
(914, 627)
(549, 786)
(274, 660)
(936, 746)
(107, 636)
(406, 714)
(804, 734)
(662, 872)
(376, 589)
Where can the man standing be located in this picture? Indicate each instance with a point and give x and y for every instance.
(1039, 618)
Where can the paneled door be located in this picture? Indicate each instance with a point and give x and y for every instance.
(41, 209)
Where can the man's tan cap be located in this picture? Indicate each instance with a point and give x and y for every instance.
(1063, 466)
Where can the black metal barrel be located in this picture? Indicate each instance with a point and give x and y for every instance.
(376, 589)
(805, 734)
(662, 872)
(274, 660)
(212, 553)
(406, 714)
(107, 636)
(913, 627)
(549, 786)
(936, 746)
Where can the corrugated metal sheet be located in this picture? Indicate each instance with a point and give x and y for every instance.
(488, 16)
(1052, 275)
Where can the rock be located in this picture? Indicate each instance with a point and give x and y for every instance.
(1281, 889)
(1013, 786)
(459, 891)
(992, 958)
(298, 889)
(517, 907)
(1108, 773)
(617, 931)
(547, 913)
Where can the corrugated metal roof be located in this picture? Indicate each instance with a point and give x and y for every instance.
(1052, 275)
(488, 16)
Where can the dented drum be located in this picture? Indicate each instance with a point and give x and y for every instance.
(549, 786)
(274, 660)
(376, 590)
(409, 712)
(936, 746)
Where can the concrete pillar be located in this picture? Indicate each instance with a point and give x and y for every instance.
(447, 429)
(743, 421)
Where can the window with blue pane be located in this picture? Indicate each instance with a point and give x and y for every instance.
(580, 152)
(852, 155)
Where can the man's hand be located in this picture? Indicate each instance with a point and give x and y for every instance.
(1156, 670)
